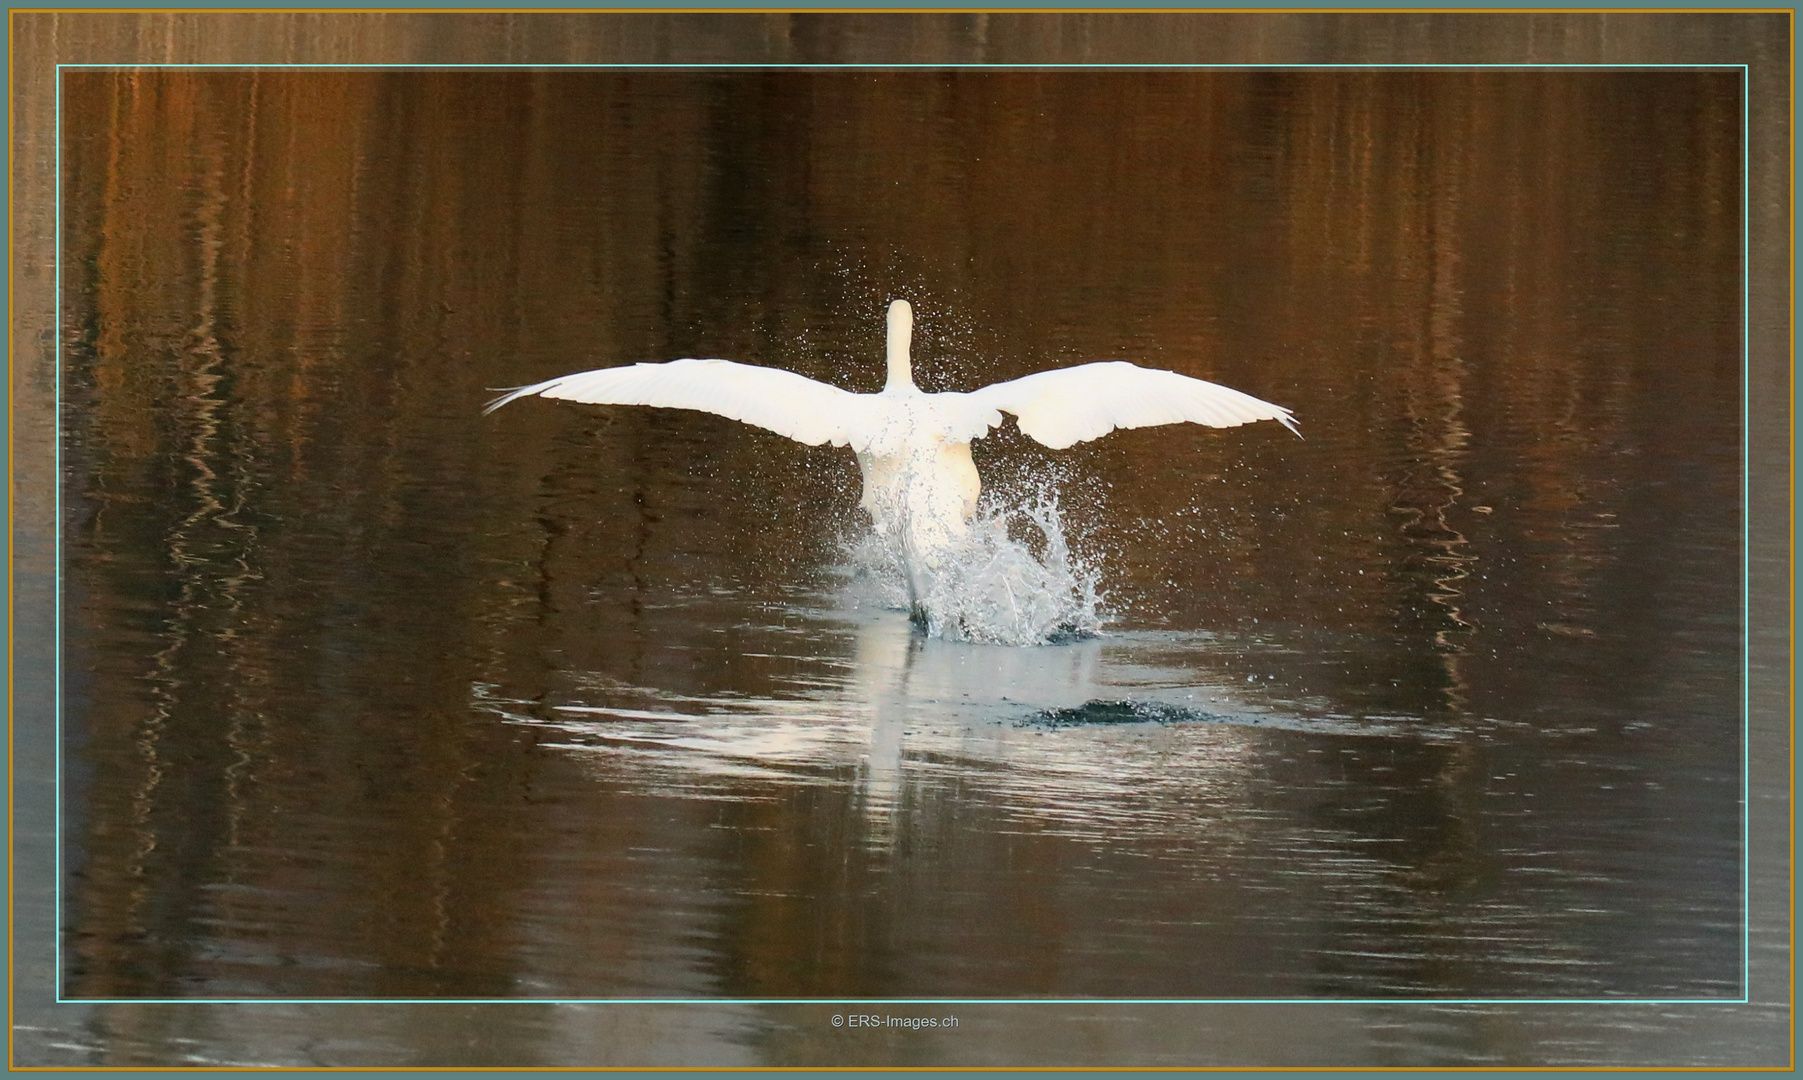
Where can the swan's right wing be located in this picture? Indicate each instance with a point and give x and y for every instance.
(1071, 405)
(791, 405)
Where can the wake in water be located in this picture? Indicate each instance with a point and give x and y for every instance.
(990, 588)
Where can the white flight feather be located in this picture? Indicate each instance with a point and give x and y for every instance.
(791, 405)
(1071, 405)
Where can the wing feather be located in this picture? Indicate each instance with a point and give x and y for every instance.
(1071, 405)
(791, 405)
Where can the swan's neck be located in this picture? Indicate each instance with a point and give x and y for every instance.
(901, 331)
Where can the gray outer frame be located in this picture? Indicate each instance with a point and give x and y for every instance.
(1316, 1035)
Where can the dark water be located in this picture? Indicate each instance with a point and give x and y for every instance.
(368, 695)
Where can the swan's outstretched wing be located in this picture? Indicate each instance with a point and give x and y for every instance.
(780, 401)
(1070, 405)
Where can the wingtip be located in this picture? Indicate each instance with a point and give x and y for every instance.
(508, 393)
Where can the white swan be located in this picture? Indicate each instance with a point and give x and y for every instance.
(913, 447)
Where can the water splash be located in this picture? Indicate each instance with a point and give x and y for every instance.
(1011, 580)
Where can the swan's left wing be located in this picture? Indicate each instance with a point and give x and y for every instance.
(1071, 405)
(781, 401)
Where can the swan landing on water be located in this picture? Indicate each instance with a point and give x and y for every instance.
(920, 485)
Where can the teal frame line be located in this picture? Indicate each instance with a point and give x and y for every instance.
(1746, 536)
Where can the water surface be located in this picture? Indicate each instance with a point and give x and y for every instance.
(369, 695)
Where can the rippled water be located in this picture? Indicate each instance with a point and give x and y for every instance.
(369, 695)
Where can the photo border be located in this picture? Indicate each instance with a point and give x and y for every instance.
(1747, 479)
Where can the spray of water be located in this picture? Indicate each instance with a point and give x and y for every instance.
(1011, 580)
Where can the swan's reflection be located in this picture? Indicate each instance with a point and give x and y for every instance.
(949, 697)
(893, 685)
(900, 713)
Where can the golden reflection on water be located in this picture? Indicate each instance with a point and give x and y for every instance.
(387, 698)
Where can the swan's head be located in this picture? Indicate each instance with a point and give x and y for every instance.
(901, 331)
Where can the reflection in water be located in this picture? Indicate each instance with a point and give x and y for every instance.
(1438, 436)
(383, 699)
(1428, 495)
(194, 546)
(903, 710)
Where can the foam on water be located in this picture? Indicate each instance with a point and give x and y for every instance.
(992, 588)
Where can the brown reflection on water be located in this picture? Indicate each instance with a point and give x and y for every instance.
(1484, 613)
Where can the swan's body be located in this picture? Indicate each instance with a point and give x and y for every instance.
(913, 448)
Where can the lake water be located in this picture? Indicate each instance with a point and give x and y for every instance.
(368, 695)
